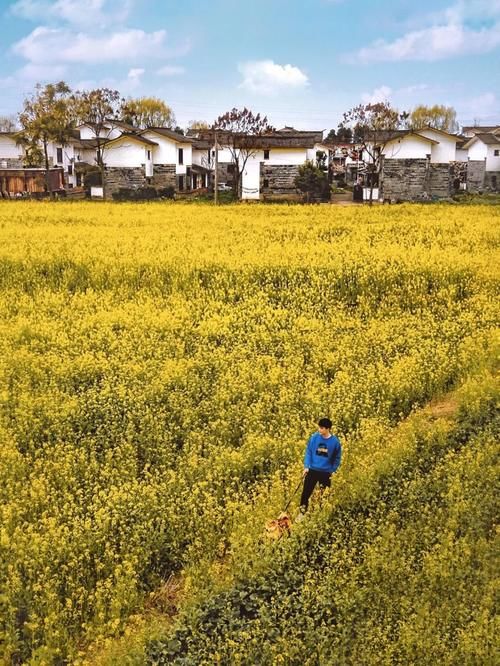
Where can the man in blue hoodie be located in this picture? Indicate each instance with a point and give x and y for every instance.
(322, 458)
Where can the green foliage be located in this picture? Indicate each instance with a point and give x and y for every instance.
(312, 181)
(143, 193)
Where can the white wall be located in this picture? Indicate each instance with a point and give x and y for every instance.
(445, 150)
(250, 179)
(9, 149)
(202, 158)
(492, 162)
(126, 153)
(109, 132)
(408, 147)
(285, 155)
(167, 151)
(478, 150)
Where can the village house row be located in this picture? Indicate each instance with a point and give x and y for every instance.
(415, 164)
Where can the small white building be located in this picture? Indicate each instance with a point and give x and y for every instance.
(273, 164)
(10, 150)
(485, 147)
(407, 145)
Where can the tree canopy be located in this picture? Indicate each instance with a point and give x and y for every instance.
(47, 115)
(438, 116)
(147, 112)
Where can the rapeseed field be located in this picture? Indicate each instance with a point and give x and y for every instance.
(161, 367)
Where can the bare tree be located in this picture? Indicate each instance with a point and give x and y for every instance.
(8, 124)
(237, 131)
(99, 109)
(373, 126)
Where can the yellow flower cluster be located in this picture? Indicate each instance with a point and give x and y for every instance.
(162, 364)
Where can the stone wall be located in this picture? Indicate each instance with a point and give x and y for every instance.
(440, 180)
(117, 177)
(475, 175)
(404, 180)
(164, 176)
(225, 172)
(415, 179)
(134, 178)
(492, 181)
(278, 179)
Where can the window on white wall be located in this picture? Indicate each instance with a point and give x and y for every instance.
(181, 155)
(496, 153)
(59, 155)
(266, 154)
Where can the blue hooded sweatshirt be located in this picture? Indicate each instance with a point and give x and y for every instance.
(323, 455)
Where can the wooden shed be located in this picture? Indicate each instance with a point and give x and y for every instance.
(16, 182)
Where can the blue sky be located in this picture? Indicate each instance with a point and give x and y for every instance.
(301, 62)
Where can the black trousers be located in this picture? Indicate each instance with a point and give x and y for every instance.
(311, 479)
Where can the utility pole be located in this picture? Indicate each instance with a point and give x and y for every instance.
(216, 184)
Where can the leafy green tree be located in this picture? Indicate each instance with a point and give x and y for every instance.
(438, 116)
(313, 182)
(147, 112)
(46, 116)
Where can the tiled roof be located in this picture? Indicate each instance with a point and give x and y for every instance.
(164, 131)
(134, 137)
(488, 139)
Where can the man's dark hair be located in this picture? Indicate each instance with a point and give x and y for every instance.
(325, 423)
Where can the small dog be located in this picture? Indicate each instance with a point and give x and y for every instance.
(275, 529)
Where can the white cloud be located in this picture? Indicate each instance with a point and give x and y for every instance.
(90, 13)
(464, 28)
(381, 94)
(171, 70)
(482, 108)
(58, 45)
(135, 73)
(266, 77)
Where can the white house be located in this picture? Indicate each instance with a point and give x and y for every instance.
(173, 150)
(485, 147)
(11, 153)
(130, 151)
(407, 145)
(274, 161)
(445, 150)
